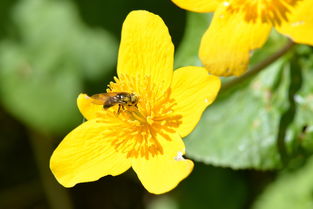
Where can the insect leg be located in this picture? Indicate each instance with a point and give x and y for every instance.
(119, 108)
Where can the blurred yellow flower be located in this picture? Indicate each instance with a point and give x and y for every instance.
(239, 26)
(146, 137)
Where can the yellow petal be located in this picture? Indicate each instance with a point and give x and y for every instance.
(193, 89)
(226, 45)
(162, 173)
(300, 23)
(87, 108)
(146, 53)
(86, 154)
(197, 5)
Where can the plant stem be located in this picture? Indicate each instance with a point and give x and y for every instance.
(57, 196)
(260, 66)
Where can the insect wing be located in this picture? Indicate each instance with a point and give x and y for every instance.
(100, 99)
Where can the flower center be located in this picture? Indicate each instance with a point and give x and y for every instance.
(268, 11)
(142, 129)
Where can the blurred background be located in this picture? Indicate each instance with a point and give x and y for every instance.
(52, 50)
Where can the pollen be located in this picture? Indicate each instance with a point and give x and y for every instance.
(267, 11)
(146, 126)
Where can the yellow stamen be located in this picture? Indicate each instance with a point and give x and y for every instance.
(268, 11)
(143, 125)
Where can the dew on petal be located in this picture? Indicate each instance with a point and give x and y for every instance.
(179, 156)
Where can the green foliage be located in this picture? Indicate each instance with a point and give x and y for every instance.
(260, 124)
(187, 53)
(290, 191)
(301, 130)
(256, 124)
(239, 130)
(44, 67)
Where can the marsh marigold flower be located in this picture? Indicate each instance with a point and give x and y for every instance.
(239, 26)
(148, 136)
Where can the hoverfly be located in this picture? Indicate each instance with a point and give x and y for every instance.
(111, 99)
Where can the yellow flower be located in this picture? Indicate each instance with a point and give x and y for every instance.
(239, 26)
(146, 137)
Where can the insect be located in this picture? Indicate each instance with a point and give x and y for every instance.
(110, 99)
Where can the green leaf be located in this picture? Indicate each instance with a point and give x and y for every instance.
(240, 129)
(290, 191)
(61, 34)
(301, 131)
(274, 42)
(187, 53)
(43, 69)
